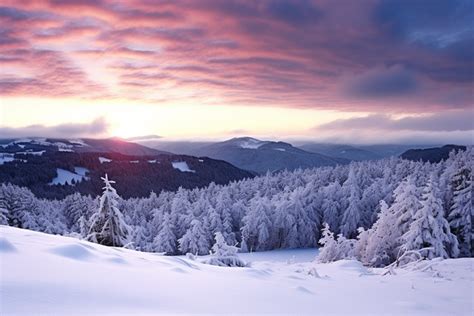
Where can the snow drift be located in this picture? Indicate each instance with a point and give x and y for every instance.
(47, 274)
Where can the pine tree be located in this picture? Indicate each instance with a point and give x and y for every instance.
(460, 216)
(300, 229)
(165, 241)
(430, 229)
(257, 227)
(194, 240)
(227, 227)
(382, 240)
(345, 247)
(405, 205)
(224, 254)
(107, 224)
(329, 252)
(351, 218)
(332, 206)
(83, 227)
(360, 246)
(22, 206)
(3, 216)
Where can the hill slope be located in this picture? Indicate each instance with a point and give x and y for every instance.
(73, 277)
(55, 174)
(114, 145)
(341, 151)
(435, 154)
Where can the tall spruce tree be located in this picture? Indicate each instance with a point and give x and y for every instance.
(108, 226)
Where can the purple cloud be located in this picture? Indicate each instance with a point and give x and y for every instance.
(97, 128)
(401, 56)
(439, 122)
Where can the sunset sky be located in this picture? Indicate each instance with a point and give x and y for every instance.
(343, 71)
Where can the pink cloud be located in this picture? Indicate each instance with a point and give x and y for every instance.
(268, 53)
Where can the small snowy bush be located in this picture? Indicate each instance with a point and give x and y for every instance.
(224, 255)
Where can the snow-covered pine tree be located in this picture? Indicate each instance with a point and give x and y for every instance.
(406, 204)
(351, 217)
(224, 254)
(3, 216)
(181, 212)
(74, 208)
(257, 228)
(460, 215)
(83, 227)
(332, 205)
(429, 228)
(107, 224)
(227, 227)
(195, 240)
(165, 241)
(302, 230)
(243, 246)
(383, 238)
(345, 247)
(329, 252)
(215, 221)
(360, 246)
(264, 227)
(22, 206)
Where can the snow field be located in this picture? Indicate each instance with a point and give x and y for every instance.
(66, 176)
(47, 274)
(182, 166)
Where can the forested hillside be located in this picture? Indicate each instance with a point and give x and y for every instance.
(374, 211)
(54, 175)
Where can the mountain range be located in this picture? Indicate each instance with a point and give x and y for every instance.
(433, 155)
(261, 156)
(53, 168)
(82, 145)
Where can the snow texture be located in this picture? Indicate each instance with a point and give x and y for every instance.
(66, 176)
(34, 153)
(251, 143)
(46, 274)
(6, 158)
(103, 159)
(182, 166)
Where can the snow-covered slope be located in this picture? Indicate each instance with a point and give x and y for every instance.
(67, 177)
(37, 145)
(45, 274)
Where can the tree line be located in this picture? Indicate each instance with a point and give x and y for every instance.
(371, 210)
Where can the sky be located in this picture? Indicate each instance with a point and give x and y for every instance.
(367, 71)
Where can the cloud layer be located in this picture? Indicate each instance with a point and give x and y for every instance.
(384, 56)
(96, 128)
(453, 126)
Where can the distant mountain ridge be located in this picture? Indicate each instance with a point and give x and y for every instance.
(79, 145)
(339, 152)
(433, 155)
(359, 152)
(261, 156)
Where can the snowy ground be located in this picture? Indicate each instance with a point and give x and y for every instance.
(182, 166)
(66, 176)
(45, 274)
